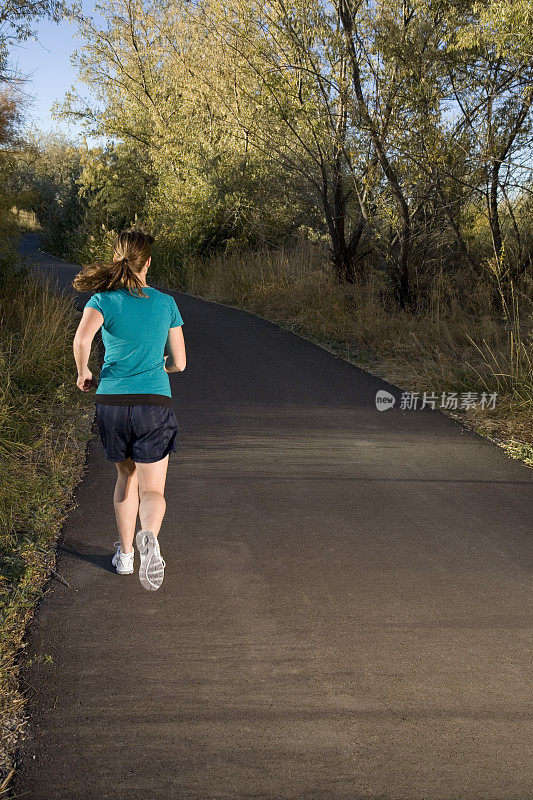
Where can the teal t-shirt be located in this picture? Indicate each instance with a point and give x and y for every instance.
(134, 333)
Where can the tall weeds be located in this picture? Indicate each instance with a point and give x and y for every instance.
(44, 423)
(456, 341)
(511, 369)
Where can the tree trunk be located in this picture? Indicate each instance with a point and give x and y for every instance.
(497, 160)
(455, 228)
(402, 272)
(343, 252)
(344, 256)
(403, 282)
(494, 216)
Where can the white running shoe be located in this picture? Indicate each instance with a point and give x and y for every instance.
(123, 562)
(152, 569)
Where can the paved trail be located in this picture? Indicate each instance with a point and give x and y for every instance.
(346, 609)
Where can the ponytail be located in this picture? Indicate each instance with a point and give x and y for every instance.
(131, 252)
(125, 277)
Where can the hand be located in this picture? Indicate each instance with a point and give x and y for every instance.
(85, 380)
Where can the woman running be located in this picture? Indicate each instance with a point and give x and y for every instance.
(137, 424)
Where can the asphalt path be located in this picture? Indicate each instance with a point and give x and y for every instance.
(346, 610)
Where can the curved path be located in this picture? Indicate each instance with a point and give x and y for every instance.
(346, 608)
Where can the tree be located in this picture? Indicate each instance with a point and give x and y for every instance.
(386, 122)
(16, 25)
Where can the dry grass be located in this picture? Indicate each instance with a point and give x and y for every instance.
(451, 343)
(26, 220)
(45, 422)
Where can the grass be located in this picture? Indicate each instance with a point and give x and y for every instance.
(451, 343)
(45, 423)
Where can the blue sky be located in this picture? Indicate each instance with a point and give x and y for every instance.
(47, 63)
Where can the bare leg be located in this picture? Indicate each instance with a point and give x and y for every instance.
(126, 502)
(152, 504)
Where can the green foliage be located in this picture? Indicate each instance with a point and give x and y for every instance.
(399, 129)
(505, 25)
(46, 180)
(114, 183)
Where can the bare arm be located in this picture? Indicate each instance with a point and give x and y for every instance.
(176, 359)
(90, 322)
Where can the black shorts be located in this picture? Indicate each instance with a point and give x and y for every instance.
(144, 433)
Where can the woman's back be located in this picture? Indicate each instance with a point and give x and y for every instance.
(134, 332)
(137, 424)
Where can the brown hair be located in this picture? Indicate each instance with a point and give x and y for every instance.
(131, 251)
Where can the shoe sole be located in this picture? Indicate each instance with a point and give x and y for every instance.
(151, 570)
